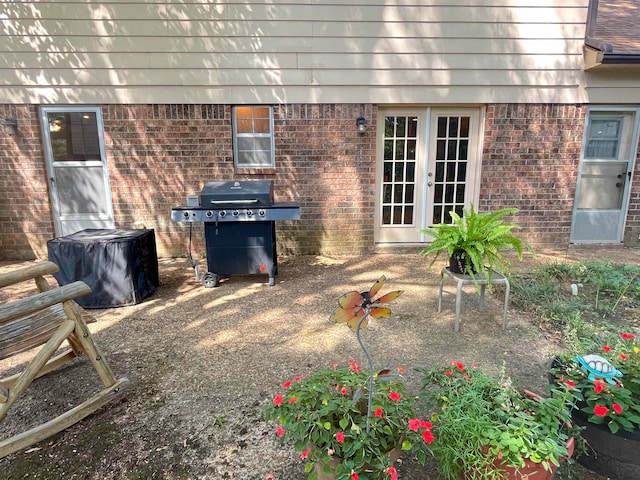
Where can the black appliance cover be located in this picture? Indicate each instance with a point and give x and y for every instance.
(120, 266)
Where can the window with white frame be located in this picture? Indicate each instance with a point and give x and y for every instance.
(253, 143)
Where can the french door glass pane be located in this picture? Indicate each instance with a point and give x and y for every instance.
(399, 175)
(452, 151)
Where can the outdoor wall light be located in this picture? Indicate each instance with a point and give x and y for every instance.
(360, 122)
(10, 126)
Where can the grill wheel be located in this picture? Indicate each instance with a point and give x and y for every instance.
(209, 280)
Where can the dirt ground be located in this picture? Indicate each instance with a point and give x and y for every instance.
(202, 362)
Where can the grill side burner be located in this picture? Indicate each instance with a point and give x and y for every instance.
(240, 234)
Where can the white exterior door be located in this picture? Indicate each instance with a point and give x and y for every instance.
(428, 165)
(604, 180)
(76, 168)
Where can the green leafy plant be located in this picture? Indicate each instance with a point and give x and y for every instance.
(607, 286)
(481, 237)
(485, 425)
(325, 416)
(614, 402)
(347, 422)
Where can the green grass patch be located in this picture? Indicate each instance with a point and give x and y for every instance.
(606, 292)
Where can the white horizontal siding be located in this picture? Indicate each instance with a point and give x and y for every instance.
(380, 51)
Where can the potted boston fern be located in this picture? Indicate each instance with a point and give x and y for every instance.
(487, 429)
(475, 242)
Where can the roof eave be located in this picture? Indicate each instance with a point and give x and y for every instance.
(598, 53)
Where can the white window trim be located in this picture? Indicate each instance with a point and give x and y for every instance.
(269, 135)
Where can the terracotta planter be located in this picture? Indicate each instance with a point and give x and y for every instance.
(394, 455)
(531, 470)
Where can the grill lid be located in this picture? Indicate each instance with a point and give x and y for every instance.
(248, 192)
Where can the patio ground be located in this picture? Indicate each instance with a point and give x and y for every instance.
(202, 362)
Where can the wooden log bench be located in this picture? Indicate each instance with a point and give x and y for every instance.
(45, 320)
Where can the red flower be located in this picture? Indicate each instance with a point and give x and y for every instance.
(570, 383)
(395, 396)
(617, 408)
(400, 370)
(427, 436)
(425, 424)
(379, 413)
(459, 365)
(606, 348)
(414, 424)
(600, 410)
(449, 373)
(627, 336)
(343, 390)
(280, 431)
(353, 366)
(293, 399)
(340, 437)
(393, 473)
(304, 454)
(287, 384)
(277, 400)
(354, 476)
(599, 386)
(298, 378)
(334, 364)
(624, 357)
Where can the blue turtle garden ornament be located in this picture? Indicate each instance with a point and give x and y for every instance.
(597, 366)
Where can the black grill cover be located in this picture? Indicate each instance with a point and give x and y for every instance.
(120, 266)
(250, 192)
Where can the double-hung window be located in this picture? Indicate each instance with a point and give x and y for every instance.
(253, 145)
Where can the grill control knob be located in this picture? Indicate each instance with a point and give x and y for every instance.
(185, 214)
(236, 213)
(209, 213)
(222, 213)
(249, 213)
(261, 212)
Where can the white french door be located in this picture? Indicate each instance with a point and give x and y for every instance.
(428, 163)
(77, 168)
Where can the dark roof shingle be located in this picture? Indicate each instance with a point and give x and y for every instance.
(618, 24)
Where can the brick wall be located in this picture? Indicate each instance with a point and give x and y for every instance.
(25, 213)
(530, 161)
(632, 227)
(159, 154)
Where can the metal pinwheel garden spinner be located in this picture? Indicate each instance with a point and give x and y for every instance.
(354, 309)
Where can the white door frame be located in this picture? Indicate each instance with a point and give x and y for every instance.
(69, 223)
(425, 183)
(608, 223)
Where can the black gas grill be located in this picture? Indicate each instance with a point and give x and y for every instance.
(239, 227)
